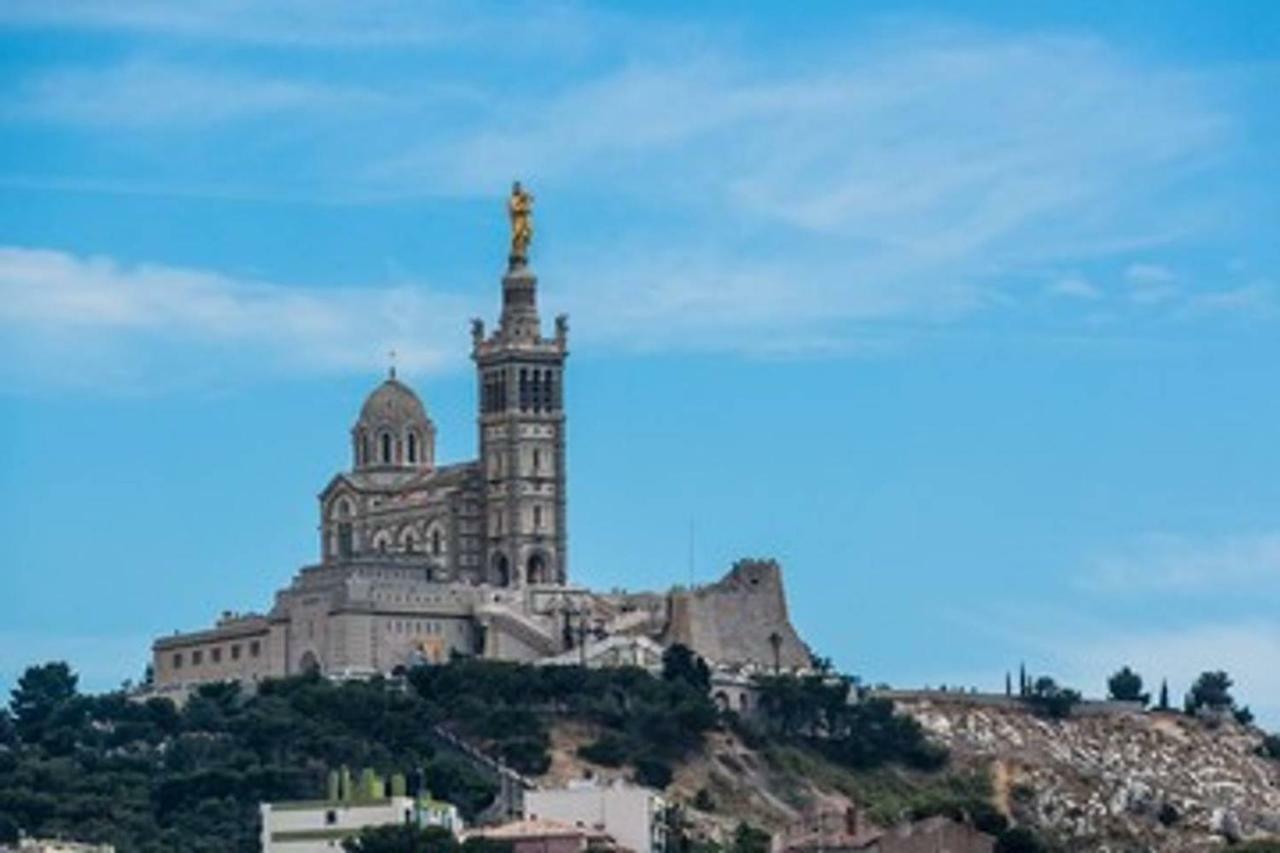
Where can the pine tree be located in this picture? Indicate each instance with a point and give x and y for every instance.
(1164, 695)
(1022, 679)
(1008, 684)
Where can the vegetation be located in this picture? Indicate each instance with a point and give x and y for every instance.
(149, 777)
(1047, 698)
(1126, 686)
(1211, 690)
(815, 711)
(1270, 747)
(1020, 840)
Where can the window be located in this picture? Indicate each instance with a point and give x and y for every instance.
(386, 448)
(344, 540)
(537, 517)
(412, 443)
(254, 649)
(436, 545)
(364, 448)
(197, 657)
(216, 655)
(330, 817)
(537, 460)
(524, 390)
(177, 660)
(235, 652)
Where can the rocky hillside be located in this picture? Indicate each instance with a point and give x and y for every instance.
(1132, 782)
(1117, 783)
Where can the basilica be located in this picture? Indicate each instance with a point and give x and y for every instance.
(421, 561)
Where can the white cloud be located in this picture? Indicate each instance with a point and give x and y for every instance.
(1075, 287)
(1256, 300)
(779, 205)
(1180, 564)
(84, 307)
(1148, 274)
(149, 95)
(369, 24)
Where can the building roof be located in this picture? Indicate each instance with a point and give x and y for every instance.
(392, 403)
(538, 828)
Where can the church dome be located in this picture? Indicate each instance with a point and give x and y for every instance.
(393, 430)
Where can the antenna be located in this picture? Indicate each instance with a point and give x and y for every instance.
(391, 357)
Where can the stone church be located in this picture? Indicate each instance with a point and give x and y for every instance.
(421, 561)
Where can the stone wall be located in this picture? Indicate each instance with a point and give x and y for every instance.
(738, 619)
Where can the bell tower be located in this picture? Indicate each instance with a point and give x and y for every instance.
(520, 376)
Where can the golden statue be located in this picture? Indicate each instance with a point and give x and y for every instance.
(520, 210)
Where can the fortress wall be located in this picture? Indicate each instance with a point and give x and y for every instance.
(731, 621)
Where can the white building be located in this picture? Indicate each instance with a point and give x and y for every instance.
(320, 826)
(632, 815)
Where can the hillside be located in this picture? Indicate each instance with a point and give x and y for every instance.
(1151, 781)
(151, 777)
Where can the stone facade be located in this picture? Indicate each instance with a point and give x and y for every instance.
(420, 561)
(741, 619)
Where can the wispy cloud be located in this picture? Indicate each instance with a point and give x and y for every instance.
(318, 23)
(1178, 564)
(161, 95)
(1075, 287)
(97, 315)
(780, 205)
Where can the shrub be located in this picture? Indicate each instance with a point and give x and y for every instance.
(1126, 686)
(1270, 747)
(610, 749)
(1050, 700)
(653, 772)
(1020, 840)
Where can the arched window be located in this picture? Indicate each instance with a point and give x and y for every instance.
(364, 448)
(386, 448)
(436, 544)
(411, 442)
(537, 569)
(501, 570)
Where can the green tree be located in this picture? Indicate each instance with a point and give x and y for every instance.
(42, 692)
(1051, 700)
(680, 663)
(9, 830)
(1211, 690)
(1126, 686)
(1164, 695)
(1020, 840)
(1270, 747)
(749, 839)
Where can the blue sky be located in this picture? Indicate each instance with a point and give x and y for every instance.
(967, 313)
